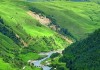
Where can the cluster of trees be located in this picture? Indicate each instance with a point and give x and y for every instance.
(37, 11)
(62, 30)
(38, 24)
(53, 20)
(85, 54)
(42, 44)
(6, 30)
(65, 32)
(1, 20)
(5, 51)
(14, 61)
(55, 55)
(10, 55)
(97, 1)
(58, 67)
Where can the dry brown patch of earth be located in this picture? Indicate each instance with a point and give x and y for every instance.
(43, 20)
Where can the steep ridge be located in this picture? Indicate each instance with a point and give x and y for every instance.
(84, 55)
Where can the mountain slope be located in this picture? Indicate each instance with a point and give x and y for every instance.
(78, 18)
(22, 24)
(22, 36)
(5, 66)
(43, 0)
(97, 1)
(84, 55)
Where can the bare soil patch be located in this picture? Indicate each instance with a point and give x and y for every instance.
(43, 20)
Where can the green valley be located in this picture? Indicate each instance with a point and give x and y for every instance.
(21, 36)
(33, 34)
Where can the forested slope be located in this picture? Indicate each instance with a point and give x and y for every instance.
(85, 54)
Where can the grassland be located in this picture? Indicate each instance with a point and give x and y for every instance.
(43, 0)
(5, 66)
(24, 25)
(79, 18)
(17, 25)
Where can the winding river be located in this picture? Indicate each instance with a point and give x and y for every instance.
(37, 63)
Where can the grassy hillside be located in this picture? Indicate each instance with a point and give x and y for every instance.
(97, 1)
(79, 18)
(23, 25)
(22, 37)
(7, 52)
(5, 66)
(43, 0)
(84, 55)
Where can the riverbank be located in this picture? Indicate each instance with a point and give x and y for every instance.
(37, 63)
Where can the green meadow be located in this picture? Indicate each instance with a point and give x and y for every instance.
(79, 19)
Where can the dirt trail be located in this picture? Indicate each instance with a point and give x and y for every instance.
(43, 20)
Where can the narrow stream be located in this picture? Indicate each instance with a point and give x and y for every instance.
(37, 63)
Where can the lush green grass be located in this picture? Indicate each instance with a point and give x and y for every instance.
(32, 68)
(80, 18)
(29, 56)
(17, 16)
(23, 24)
(5, 66)
(39, 38)
(43, 0)
(7, 44)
